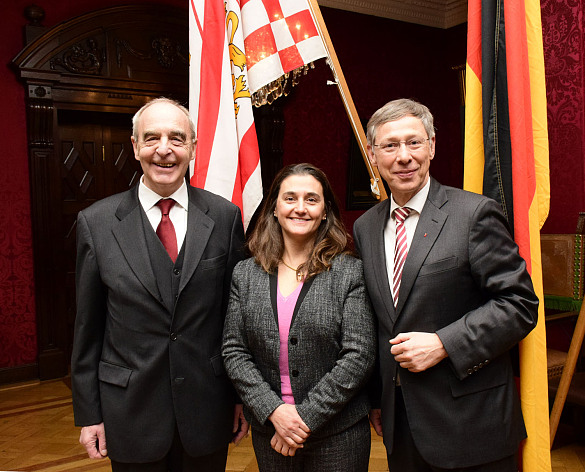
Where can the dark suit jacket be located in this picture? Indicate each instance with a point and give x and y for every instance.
(140, 364)
(331, 349)
(463, 279)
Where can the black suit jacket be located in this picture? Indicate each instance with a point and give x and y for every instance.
(140, 364)
(464, 280)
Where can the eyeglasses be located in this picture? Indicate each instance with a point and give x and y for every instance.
(392, 147)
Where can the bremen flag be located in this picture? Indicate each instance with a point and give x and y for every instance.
(280, 36)
(506, 158)
(237, 47)
(227, 161)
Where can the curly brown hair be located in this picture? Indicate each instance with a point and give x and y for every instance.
(266, 243)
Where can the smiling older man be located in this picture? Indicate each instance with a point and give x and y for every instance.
(154, 266)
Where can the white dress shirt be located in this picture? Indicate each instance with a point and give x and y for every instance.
(178, 214)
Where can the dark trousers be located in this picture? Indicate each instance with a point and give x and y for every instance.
(347, 451)
(406, 458)
(177, 460)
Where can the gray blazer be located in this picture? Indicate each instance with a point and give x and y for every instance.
(331, 346)
(463, 279)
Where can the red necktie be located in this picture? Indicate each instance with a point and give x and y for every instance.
(400, 250)
(165, 230)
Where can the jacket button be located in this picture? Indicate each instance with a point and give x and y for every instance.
(179, 380)
(294, 341)
(469, 371)
(295, 373)
(475, 368)
(176, 272)
(173, 336)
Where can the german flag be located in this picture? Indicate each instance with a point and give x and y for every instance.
(506, 158)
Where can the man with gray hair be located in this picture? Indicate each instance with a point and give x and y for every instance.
(452, 297)
(154, 267)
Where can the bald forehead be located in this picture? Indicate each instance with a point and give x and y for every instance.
(164, 117)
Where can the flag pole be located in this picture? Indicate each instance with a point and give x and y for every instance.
(375, 183)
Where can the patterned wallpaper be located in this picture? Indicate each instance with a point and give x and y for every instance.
(562, 24)
(17, 308)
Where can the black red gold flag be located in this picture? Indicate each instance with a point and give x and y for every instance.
(506, 158)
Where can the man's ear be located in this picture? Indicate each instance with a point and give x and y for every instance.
(135, 147)
(194, 148)
(371, 155)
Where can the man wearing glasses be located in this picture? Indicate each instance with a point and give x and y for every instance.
(452, 297)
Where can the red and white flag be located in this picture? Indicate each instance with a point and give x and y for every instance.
(234, 53)
(227, 161)
(279, 36)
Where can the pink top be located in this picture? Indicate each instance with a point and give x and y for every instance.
(285, 307)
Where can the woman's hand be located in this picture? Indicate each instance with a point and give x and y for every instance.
(289, 425)
(280, 445)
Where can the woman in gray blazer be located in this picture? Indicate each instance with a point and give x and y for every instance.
(299, 340)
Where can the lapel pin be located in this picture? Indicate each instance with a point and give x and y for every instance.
(425, 235)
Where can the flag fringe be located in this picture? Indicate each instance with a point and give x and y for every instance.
(554, 302)
(279, 87)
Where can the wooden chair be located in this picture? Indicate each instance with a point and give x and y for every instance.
(570, 385)
(563, 257)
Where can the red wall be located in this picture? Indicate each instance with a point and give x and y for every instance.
(381, 59)
(564, 47)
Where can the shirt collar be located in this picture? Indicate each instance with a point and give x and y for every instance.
(149, 198)
(417, 202)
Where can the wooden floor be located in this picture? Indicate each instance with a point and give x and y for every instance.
(37, 434)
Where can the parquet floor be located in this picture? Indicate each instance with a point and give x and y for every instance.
(37, 434)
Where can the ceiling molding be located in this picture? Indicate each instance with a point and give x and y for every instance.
(436, 13)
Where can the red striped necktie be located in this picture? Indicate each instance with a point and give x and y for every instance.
(166, 230)
(400, 250)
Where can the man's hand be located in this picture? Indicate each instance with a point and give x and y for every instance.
(280, 445)
(417, 352)
(376, 420)
(241, 426)
(289, 425)
(93, 438)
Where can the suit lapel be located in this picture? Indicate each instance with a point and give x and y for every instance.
(379, 253)
(199, 228)
(304, 290)
(429, 227)
(274, 295)
(129, 234)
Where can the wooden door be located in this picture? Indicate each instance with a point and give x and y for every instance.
(97, 160)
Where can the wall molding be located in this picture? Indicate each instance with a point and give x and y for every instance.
(438, 13)
(21, 373)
